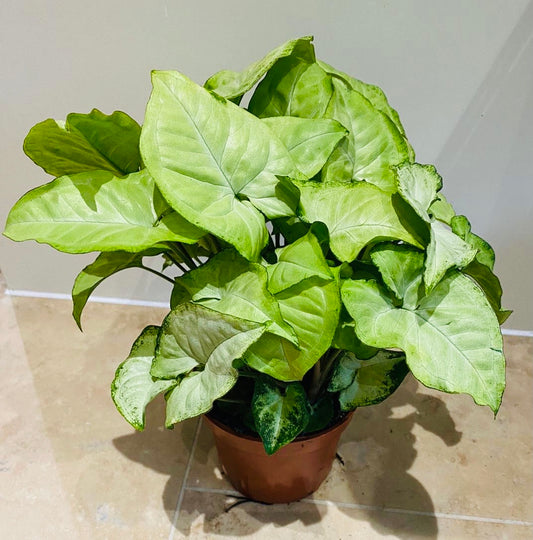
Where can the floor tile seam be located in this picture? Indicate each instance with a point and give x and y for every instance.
(183, 486)
(148, 303)
(355, 506)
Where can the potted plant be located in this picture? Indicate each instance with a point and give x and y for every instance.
(313, 261)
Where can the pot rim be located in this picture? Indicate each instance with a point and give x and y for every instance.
(301, 438)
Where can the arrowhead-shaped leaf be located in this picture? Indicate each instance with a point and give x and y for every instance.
(418, 185)
(401, 268)
(452, 341)
(86, 212)
(230, 284)
(213, 161)
(233, 84)
(309, 142)
(133, 387)
(367, 382)
(293, 87)
(86, 142)
(200, 344)
(298, 261)
(485, 254)
(355, 214)
(373, 145)
(280, 414)
(105, 265)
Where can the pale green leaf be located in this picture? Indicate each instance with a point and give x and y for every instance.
(105, 265)
(446, 250)
(309, 142)
(280, 414)
(485, 254)
(213, 160)
(230, 284)
(96, 211)
(312, 308)
(204, 358)
(452, 341)
(418, 185)
(356, 215)
(293, 87)
(233, 84)
(441, 209)
(298, 261)
(86, 142)
(372, 146)
(401, 268)
(133, 387)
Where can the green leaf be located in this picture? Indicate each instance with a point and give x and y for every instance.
(347, 340)
(293, 87)
(233, 84)
(322, 414)
(446, 250)
(298, 261)
(402, 270)
(367, 382)
(442, 210)
(86, 142)
(214, 162)
(309, 142)
(418, 185)
(87, 212)
(355, 214)
(203, 358)
(485, 254)
(372, 147)
(312, 308)
(230, 284)
(105, 265)
(133, 387)
(452, 341)
(373, 93)
(490, 284)
(280, 414)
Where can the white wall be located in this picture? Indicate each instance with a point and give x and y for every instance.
(460, 73)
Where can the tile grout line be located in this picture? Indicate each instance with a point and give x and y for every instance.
(184, 482)
(355, 506)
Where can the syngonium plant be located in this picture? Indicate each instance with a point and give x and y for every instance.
(313, 262)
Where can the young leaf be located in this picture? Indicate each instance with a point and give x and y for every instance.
(367, 382)
(230, 284)
(280, 414)
(355, 214)
(309, 142)
(452, 341)
(105, 265)
(485, 254)
(233, 84)
(293, 87)
(133, 387)
(373, 93)
(373, 145)
(312, 308)
(402, 269)
(418, 185)
(86, 212)
(298, 261)
(203, 357)
(213, 161)
(86, 142)
(442, 210)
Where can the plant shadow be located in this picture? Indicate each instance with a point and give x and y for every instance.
(379, 449)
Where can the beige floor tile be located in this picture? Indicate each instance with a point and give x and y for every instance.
(210, 516)
(118, 483)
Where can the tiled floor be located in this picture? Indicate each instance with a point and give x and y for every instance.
(420, 465)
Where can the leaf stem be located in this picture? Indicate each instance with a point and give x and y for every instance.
(321, 373)
(177, 263)
(178, 248)
(170, 280)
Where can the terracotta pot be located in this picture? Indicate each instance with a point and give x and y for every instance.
(290, 474)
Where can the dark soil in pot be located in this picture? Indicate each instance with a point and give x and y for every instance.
(292, 473)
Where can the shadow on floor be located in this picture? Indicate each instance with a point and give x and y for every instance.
(378, 449)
